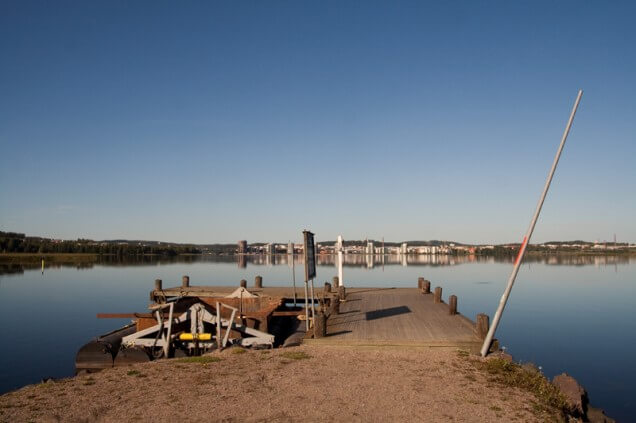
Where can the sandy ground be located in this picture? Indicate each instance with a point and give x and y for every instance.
(330, 384)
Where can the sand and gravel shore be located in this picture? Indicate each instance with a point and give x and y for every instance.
(310, 383)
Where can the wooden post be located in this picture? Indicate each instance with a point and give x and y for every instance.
(185, 281)
(258, 282)
(327, 287)
(243, 283)
(426, 287)
(420, 283)
(342, 293)
(437, 299)
(157, 284)
(334, 305)
(483, 324)
(336, 281)
(320, 325)
(452, 304)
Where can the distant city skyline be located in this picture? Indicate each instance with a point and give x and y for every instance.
(215, 122)
(323, 242)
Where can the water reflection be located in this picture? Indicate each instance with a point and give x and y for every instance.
(367, 261)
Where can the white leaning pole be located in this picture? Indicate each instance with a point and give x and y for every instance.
(340, 280)
(526, 238)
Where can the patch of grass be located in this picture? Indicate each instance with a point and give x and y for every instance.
(265, 351)
(295, 355)
(202, 359)
(132, 372)
(471, 378)
(512, 374)
(45, 385)
(239, 350)
(495, 408)
(89, 381)
(462, 353)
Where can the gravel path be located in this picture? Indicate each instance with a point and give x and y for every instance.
(311, 383)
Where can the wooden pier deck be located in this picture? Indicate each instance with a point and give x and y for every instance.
(397, 316)
(376, 316)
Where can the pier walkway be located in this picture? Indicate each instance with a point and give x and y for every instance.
(397, 316)
(376, 316)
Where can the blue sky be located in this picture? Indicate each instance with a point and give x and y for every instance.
(213, 122)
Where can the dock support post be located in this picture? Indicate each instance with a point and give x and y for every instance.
(483, 324)
(185, 281)
(420, 283)
(320, 325)
(327, 288)
(243, 283)
(158, 284)
(342, 292)
(452, 304)
(335, 281)
(437, 299)
(258, 282)
(334, 306)
(427, 287)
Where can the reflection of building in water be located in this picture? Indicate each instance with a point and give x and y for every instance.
(242, 247)
(242, 261)
(370, 261)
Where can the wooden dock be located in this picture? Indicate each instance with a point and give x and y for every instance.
(397, 316)
(377, 316)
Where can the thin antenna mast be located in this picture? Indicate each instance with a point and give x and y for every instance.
(504, 298)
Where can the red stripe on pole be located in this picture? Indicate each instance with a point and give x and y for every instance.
(523, 245)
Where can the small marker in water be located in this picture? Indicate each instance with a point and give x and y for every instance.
(42, 266)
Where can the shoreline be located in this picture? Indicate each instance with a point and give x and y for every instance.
(307, 382)
(35, 257)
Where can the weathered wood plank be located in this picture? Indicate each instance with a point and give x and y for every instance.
(397, 315)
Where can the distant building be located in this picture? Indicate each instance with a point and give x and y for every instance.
(404, 248)
(242, 247)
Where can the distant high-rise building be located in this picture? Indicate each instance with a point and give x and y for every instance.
(404, 248)
(242, 247)
(290, 248)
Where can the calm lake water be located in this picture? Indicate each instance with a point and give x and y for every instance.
(572, 314)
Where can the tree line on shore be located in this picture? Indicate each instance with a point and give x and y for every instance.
(12, 242)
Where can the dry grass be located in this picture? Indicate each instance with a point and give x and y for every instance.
(203, 359)
(295, 355)
(511, 374)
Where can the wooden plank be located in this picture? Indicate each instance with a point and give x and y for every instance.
(288, 313)
(397, 316)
